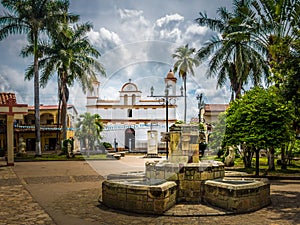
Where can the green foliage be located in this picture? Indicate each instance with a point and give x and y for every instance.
(179, 122)
(259, 119)
(68, 143)
(89, 128)
(216, 138)
(106, 145)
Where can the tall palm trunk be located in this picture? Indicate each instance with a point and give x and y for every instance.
(64, 109)
(38, 151)
(58, 111)
(185, 102)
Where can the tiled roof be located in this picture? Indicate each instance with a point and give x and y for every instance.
(216, 107)
(4, 97)
(45, 107)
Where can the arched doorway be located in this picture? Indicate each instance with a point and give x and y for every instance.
(129, 139)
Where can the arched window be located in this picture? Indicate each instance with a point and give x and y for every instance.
(125, 99)
(133, 99)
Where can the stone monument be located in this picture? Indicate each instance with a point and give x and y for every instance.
(152, 144)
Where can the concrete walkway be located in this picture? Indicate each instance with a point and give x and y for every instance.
(67, 192)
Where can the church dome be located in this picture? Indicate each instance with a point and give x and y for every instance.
(170, 75)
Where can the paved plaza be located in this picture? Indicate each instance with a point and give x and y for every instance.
(66, 193)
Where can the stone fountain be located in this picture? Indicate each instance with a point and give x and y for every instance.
(183, 178)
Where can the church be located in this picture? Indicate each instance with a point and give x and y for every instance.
(128, 118)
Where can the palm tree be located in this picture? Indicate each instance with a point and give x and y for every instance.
(274, 29)
(276, 22)
(89, 128)
(31, 17)
(72, 57)
(232, 55)
(184, 65)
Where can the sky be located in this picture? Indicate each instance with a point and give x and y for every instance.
(136, 40)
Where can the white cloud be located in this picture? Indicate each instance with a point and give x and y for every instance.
(169, 20)
(133, 16)
(196, 30)
(104, 38)
(173, 35)
(136, 41)
(12, 80)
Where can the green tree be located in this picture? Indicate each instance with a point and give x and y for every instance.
(232, 56)
(33, 17)
(259, 120)
(72, 57)
(89, 128)
(184, 65)
(287, 70)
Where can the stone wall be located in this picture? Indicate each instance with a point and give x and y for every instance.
(148, 199)
(189, 176)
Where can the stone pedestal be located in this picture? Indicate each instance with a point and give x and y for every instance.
(152, 144)
(184, 144)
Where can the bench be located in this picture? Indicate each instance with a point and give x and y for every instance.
(113, 156)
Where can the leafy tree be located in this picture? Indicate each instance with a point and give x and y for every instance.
(287, 70)
(33, 17)
(89, 128)
(231, 55)
(73, 58)
(259, 120)
(184, 65)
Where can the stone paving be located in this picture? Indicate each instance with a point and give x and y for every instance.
(17, 205)
(28, 198)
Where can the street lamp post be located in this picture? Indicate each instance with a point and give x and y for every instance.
(202, 141)
(200, 106)
(166, 97)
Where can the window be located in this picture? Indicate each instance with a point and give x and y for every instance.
(125, 99)
(50, 122)
(129, 112)
(133, 99)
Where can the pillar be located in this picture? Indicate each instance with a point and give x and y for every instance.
(10, 140)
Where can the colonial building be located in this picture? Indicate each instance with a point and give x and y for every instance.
(209, 115)
(212, 111)
(9, 112)
(128, 118)
(51, 130)
(23, 125)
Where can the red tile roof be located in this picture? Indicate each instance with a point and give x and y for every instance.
(5, 96)
(47, 107)
(216, 107)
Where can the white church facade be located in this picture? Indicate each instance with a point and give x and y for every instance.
(128, 118)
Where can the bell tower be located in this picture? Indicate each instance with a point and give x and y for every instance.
(170, 81)
(93, 95)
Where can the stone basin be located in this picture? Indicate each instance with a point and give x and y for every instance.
(238, 195)
(139, 195)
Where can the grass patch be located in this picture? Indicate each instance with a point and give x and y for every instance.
(55, 157)
(293, 168)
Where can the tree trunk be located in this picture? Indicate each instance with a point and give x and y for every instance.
(271, 159)
(257, 162)
(247, 156)
(283, 158)
(38, 151)
(64, 108)
(58, 113)
(185, 102)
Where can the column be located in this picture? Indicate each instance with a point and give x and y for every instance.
(10, 140)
